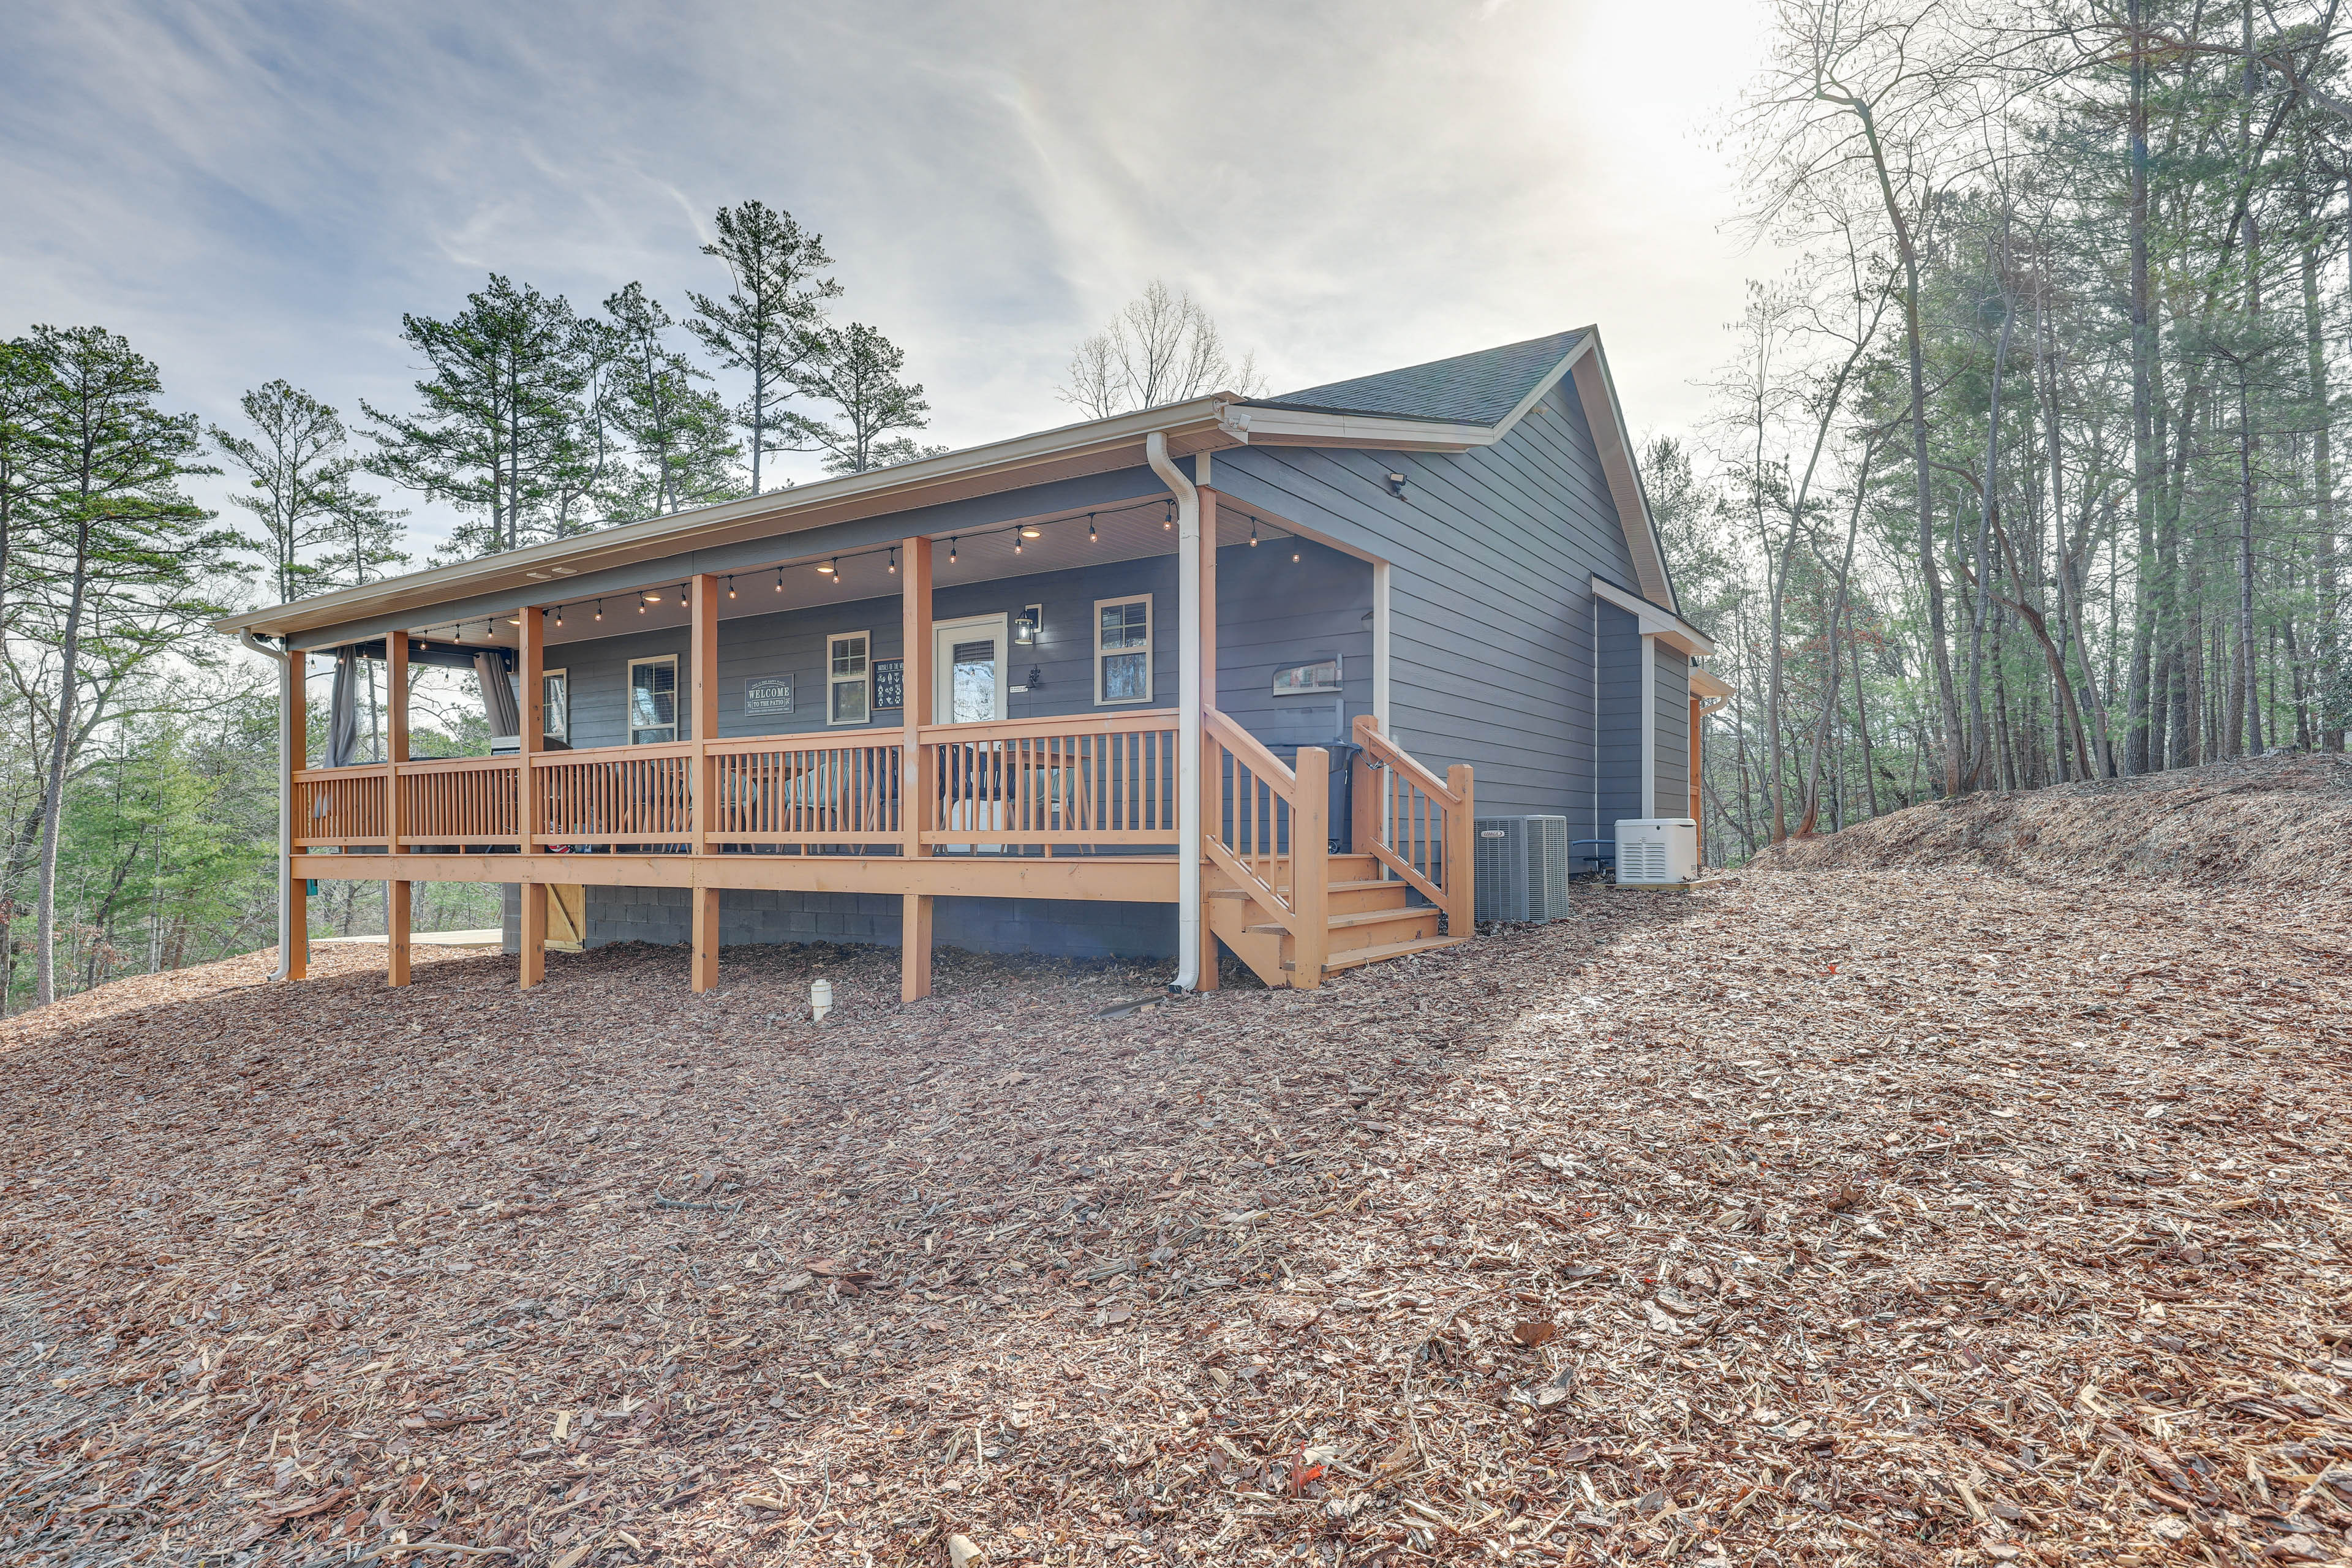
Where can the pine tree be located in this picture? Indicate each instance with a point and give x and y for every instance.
(679, 432)
(299, 468)
(122, 560)
(501, 412)
(765, 328)
(854, 369)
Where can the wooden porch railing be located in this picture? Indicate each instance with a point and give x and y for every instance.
(613, 795)
(1095, 779)
(460, 799)
(1416, 824)
(805, 790)
(339, 809)
(1267, 826)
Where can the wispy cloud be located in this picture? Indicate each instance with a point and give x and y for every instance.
(252, 190)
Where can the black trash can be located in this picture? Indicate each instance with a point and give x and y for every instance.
(1339, 809)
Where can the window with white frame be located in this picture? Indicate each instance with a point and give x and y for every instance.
(653, 701)
(1123, 650)
(555, 703)
(848, 678)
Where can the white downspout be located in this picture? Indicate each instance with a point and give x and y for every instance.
(1188, 711)
(286, 707)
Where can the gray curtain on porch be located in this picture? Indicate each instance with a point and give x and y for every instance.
(342, 711)
(498, 695)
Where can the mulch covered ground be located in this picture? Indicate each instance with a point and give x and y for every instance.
(1830, 1217)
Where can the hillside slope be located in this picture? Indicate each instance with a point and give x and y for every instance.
(2282, 822)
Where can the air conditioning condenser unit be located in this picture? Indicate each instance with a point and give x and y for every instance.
(1522, 867)
(1657, 851)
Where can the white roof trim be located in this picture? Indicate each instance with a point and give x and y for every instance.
(1655, 621)
(1598, 391)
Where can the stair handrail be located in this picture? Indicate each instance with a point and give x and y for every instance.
(1279, 778)
(1455, 890)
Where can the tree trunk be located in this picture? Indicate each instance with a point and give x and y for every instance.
(45, 912)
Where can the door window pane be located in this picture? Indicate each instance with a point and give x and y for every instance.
(972, 681)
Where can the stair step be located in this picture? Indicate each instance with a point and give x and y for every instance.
(1349, 923)
(1356, 957)
(1367, 885)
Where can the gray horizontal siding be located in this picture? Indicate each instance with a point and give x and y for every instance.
(1492, 556)
(1673, 735)
(1270, 612)
(1621, 721)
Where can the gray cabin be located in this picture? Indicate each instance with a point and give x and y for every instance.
(1236, 674)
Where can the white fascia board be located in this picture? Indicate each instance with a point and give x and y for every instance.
(787, 512)
(1655, 620)
(1596, 389)
(1304, 428)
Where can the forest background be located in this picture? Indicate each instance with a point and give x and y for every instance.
(2024, 473)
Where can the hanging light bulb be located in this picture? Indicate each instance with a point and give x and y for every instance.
(951, 550)
(1090, 527)
(1253, 533)
(780, 579)
(558, 615)
(600, 609)
(730, 587)
(1016, 542)
(641, 601)
(894, 563)
(1168, 517)
(1294, 555)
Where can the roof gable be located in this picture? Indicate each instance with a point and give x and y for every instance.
(1482, 388)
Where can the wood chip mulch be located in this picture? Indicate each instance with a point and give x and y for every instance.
(1838, 1216)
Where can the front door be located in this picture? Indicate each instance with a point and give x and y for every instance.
(968, 664)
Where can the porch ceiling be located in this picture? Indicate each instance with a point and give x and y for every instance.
(1131, 531)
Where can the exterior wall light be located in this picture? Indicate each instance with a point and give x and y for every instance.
(1031, 626)
(1396, 484)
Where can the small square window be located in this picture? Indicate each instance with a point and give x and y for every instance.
(849, 679)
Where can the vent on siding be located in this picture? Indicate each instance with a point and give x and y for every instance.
(1522, 867)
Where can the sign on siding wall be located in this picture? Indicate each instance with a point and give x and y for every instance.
(889, 684)
(770, 694)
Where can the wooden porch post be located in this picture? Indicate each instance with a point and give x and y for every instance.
(915, 788)
(530, 648)
(294, 755)
(1310, 877)
(533, 941)
(1461, 879)
(396, 892)
(1364, 794)
(704, 696)
(531, 677)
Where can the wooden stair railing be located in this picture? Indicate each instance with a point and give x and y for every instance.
(1416, 824)
(1265, 823)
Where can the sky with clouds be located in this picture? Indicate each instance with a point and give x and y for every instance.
(253, 190)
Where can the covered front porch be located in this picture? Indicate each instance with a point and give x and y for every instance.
(976, 714)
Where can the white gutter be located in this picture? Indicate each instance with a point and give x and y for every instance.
(286, 707)
(1188, 711)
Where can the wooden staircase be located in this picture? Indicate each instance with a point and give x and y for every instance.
(1367, 919)
(1297, 917)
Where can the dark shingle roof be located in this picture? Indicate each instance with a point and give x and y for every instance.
(1468, 389)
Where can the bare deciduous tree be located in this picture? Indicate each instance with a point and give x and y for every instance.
(1161, 347)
